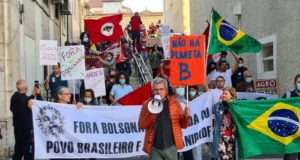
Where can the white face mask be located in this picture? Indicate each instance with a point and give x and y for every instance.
(298, 86)
(240, 65)
(248, 79)
(87, 100)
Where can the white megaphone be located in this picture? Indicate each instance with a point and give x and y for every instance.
(155, 105)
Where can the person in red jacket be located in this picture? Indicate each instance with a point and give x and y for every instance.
(136, 29)
(163, 130)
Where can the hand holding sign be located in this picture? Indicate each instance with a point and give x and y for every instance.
(187, 112)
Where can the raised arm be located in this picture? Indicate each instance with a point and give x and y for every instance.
(236, 66)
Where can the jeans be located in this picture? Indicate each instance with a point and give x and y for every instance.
(169, 153)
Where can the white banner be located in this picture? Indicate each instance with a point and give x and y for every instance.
(62, 131)
(48, 52)
(254, 96)
(95, 80)
(72, 62)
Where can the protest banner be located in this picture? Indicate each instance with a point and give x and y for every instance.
(267, 86)
(72, 62)
(62, 131)
(95, 80)
(187, 55)
(48, 52)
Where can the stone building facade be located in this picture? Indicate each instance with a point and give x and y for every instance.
(23, 23)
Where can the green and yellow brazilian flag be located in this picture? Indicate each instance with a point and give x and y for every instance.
(267, 126)
(225, 37)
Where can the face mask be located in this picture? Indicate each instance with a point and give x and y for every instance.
(109, 58)
(248, 79)
(87, 100)
(240, 65)
(192, 93)
(298, 86)
(180, 91)
(122, 81)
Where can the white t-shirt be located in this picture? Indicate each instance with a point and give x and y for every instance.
(227, 76)
(210, 76)
(216, 94)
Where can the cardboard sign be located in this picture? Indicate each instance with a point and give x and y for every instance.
(95, 80)
(165, 40)
(164, 30)
(72, 62)
(187, 54)
(267, 86)
(153, 41)
(48, 52)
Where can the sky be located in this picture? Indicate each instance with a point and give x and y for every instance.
(140, 5)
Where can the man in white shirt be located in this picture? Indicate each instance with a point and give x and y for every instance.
(218, 91)
(224, 72)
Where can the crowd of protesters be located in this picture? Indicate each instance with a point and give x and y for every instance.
(222, 79)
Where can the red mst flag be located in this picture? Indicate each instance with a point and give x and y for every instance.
(104, 29)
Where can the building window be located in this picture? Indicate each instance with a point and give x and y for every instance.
(266, 59)
(46, 2)
(56, 11)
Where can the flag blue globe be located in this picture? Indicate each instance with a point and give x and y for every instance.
(283, 122)
(227, 31)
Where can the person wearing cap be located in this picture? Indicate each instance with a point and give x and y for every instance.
(163, 130)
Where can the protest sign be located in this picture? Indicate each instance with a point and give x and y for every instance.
(62, 131)
(187, 54)
(165, 40)
(267, 86)
(164, 30)
(150, 42)
(95, 80)
(72, 62)
(48, 52)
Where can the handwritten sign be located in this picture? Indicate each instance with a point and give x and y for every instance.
(72, 62)
(153, 41)
(164, 30)
(267, 86)
(48, 52)
(187, 60)
(95, 80)
(165, 40)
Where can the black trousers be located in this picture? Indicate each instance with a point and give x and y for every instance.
(291, 156)
(23, 144)
(136, 36)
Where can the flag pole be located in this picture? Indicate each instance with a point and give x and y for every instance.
(187, 95)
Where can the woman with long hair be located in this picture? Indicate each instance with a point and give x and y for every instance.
(223, 146)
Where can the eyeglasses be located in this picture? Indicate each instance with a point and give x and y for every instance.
(158, 89)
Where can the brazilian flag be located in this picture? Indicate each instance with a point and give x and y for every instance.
(225, 37)
(267, 126)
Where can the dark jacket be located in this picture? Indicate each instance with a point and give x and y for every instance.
(22, 115)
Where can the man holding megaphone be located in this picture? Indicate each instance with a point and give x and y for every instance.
(163, 118)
